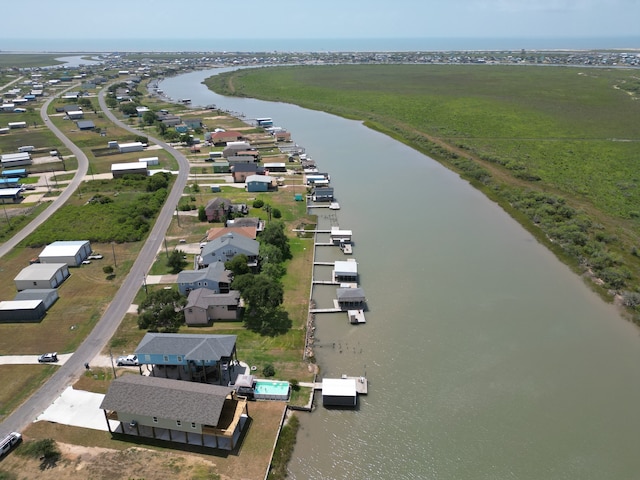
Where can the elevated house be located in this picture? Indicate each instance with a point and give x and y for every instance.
(193, 357)
(213, 278)
(224, 248)
(218, 208)
(210, 416)
(205, 306)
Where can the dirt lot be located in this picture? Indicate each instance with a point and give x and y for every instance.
(97, 461)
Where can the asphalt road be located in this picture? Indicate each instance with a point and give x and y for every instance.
(107, 325)
(83, 166)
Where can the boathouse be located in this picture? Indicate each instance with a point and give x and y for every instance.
(339, 392)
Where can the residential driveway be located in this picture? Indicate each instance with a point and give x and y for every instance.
(31, 359)
(79, 409)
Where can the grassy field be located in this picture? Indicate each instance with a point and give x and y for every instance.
(555, 146)
(25, 60)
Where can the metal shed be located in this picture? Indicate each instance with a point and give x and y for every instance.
(47, 295)
(22, 311)
(41, 275)
(71, 252)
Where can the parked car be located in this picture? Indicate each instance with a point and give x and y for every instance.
(128, 361)
(48, 357)
(8, 442)
(86, 262)
(94, 256)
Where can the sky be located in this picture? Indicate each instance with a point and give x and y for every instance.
(318, 19)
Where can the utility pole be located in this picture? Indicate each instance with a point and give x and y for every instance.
(6, 215)
(177, 215)
(112, 365)
(113, 249)
(166, 250)
(144, 282)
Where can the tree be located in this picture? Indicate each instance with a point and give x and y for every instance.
(268, 321)
(161, 311)
(238, 265)
(176, 261)
(259, 291)
(276, 213)
(202, 214)
(257, 203)
(128, 109)
(107, 269)
(268, 370)
(273, 234)
(149, 118)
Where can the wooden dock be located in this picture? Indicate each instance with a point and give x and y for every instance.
(326, 310)
(356, 316)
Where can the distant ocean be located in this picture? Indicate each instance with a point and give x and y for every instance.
(317, 45)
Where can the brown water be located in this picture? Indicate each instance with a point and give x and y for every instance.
(487, 358)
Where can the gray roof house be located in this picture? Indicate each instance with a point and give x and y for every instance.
(180, 412)
(204, 306)
(195, 357)
(217, 208)
(226, 247)
(214, 278)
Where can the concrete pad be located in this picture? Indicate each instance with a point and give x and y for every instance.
(31, 359)
(79, 409)
(133, 308)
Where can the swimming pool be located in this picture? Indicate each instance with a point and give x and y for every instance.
(270, 390)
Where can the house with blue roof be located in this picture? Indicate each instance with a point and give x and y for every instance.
(214, 278)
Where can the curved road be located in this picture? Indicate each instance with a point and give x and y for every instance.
(83, 166)
(107, 325)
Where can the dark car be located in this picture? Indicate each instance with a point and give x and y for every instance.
(48, 357)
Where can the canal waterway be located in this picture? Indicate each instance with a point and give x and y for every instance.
(487, 358)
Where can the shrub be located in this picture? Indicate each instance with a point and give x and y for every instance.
(268, 370)
(258, 203)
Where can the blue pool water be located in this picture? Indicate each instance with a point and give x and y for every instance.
(268, 387)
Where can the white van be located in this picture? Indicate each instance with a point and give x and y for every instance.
(9, 442)
(26, 148)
